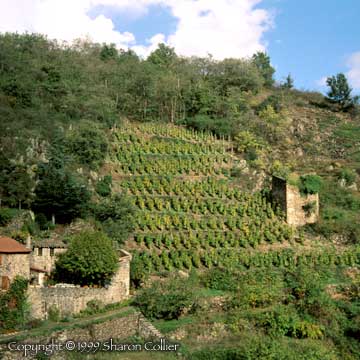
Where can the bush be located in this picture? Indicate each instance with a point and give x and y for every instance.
(221, 279)
(54, 314)
(245, 142)
(6, 215)
(166, 300)
(310, 184)
(91, 259)
(348, 175)
(273, 100)
(103, 186)
(218, 127)
(13, 305)
(89, 144)
(117, 217)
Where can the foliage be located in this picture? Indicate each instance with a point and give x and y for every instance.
(340, 92)
(288, 83)
(310, 184)
(348, 175)
(273, 100)
(91, 259)
(216, 126)
(88, 144)
(116, 215)
(166, 300)
(262, 62)
(60, 193)
(103, 186)
(246, 141)
(54, 313)
(13, 305)
(6, 215)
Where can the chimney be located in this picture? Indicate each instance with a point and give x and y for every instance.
(28, 242)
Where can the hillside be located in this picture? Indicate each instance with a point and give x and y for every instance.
(171, 158)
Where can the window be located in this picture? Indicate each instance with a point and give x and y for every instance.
(40, 251)
(5, 283)
(52, 251)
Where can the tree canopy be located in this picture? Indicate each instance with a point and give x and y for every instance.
(91, 259)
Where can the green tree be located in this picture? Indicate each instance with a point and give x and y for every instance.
(340, 92)
(288, 83)
(88, 144)
(90, 259)
(60, 194)
(117, 217)
(108, 52)
(262, 62)
(164, 56)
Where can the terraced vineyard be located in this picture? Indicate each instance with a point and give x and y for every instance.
(190, 211)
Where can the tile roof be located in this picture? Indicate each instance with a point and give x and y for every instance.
(11, 246)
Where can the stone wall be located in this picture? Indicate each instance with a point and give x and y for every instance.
(46, 260)
(71, 299)
(296, 203)
(13, 265)
(293, 204)
(119, 328)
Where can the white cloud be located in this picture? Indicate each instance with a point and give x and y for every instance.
(224, 28)
(354, 73)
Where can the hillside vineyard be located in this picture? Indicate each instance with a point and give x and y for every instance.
(189, 213)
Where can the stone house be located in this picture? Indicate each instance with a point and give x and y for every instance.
(35, 262)
(44, 253)
(14, 261)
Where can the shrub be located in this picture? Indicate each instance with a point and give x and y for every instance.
(310, 184)
(6, 215)
(218, 127)
(166, 300)
(117, 217)
(273, 100)
(89, 144)
(348, 175)
(103, 186)
(13, 305)
(246, 141)
(54, 314)
(221, 279)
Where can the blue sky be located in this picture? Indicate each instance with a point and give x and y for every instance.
(313, 39)
(309, 39)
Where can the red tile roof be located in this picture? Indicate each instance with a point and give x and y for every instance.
(11, 246)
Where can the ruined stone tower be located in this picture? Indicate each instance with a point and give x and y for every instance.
(299, 209)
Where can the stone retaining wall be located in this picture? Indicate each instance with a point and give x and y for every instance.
(71, 300)
(120, 328)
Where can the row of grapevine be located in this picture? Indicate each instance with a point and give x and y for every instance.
(171, 167)
(153, 222)
(247, 206)
(155, 145)
(250, 236)
(170, 186)
(171, 131)
(186, 259)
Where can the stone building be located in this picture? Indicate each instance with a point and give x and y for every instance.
(44, 253)
(299, 209)
(70, 299)
(35, 262)
(14, 261)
